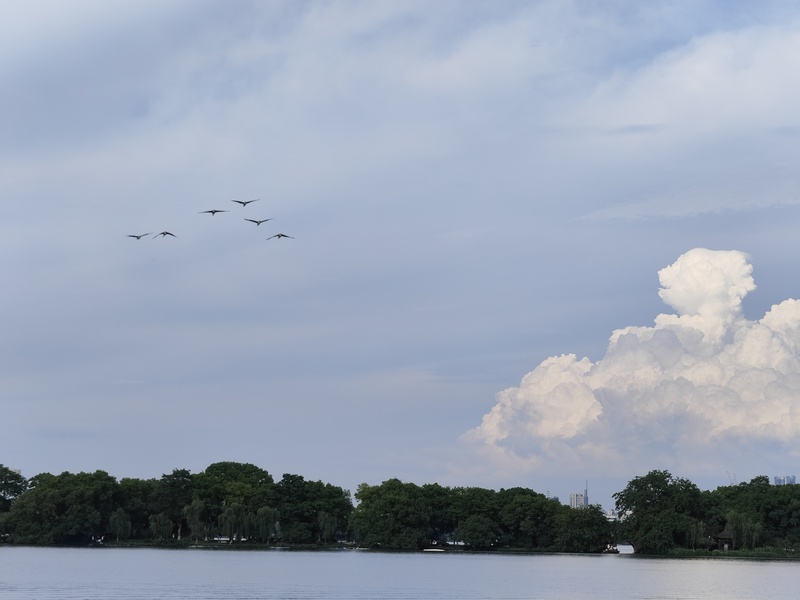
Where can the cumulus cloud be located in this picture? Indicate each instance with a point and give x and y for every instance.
(700, 382)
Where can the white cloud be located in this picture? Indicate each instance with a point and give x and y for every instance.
(717, 116)
(705, 380)
(713, 82)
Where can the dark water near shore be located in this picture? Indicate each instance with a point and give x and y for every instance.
(67, 573)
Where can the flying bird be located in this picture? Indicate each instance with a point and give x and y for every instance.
(280, 235)
(245, 202)
(138, 237)
(258, 222)
(212, 212)
(164, 234)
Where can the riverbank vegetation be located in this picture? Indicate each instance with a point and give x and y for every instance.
(664, 514)
(241, 505)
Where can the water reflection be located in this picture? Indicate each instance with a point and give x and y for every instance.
(43, 573)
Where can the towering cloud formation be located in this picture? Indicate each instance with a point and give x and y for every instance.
(698, 382)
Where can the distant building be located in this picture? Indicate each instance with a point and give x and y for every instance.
(784, 480)
(578, 500)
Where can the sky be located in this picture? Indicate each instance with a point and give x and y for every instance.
(545, 244)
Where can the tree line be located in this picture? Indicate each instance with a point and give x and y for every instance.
(236, 502)
(241, 503)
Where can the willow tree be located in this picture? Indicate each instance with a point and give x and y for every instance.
(160, 526)
(193, 513)
(119, 523)
(327, 525)
(266, 522)
(232, 521)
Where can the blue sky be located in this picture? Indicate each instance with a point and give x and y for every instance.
(472, 189)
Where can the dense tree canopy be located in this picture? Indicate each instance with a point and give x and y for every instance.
(661, 512)
(241, 503)
(63, 509)
(401, 515)
(232, 500)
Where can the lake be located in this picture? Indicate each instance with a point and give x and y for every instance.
(143, 573)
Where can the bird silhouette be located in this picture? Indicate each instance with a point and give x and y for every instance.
(212, 212)
(138, 237)
(258, 222)
(164, 234)
(280, 235)
(245, 202)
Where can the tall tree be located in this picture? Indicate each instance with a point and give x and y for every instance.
(193, 515)
(527, 517)
(393, 515)
(266, 522)
(582, 530)
(232, 521)
(134, 496)
(657, 511)
(12, 484)
(224, 483)
(172, 492)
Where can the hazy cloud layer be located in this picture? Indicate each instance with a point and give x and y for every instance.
(471, 187)
(701, 382)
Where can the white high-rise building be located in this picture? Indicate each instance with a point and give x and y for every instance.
(578, 500)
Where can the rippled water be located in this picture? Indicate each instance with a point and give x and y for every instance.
(65, 573)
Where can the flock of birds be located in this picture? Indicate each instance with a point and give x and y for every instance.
(213, 212)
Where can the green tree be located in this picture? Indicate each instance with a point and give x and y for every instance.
(393, 515)
(225, 483)
(193, 515)
(326, 523)
(477, 531)
(161, 527)
(442, 518)
(696, 534)
(171, 493)
(134, 497)
(299, 502)
(527, 518)
(232, 521)
(468, 501)
(657, 511)
(63, 509)
(12, 484)
(582, 530)
(266, 522)
(119, 524)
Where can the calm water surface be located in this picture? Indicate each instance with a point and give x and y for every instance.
(66, 573)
